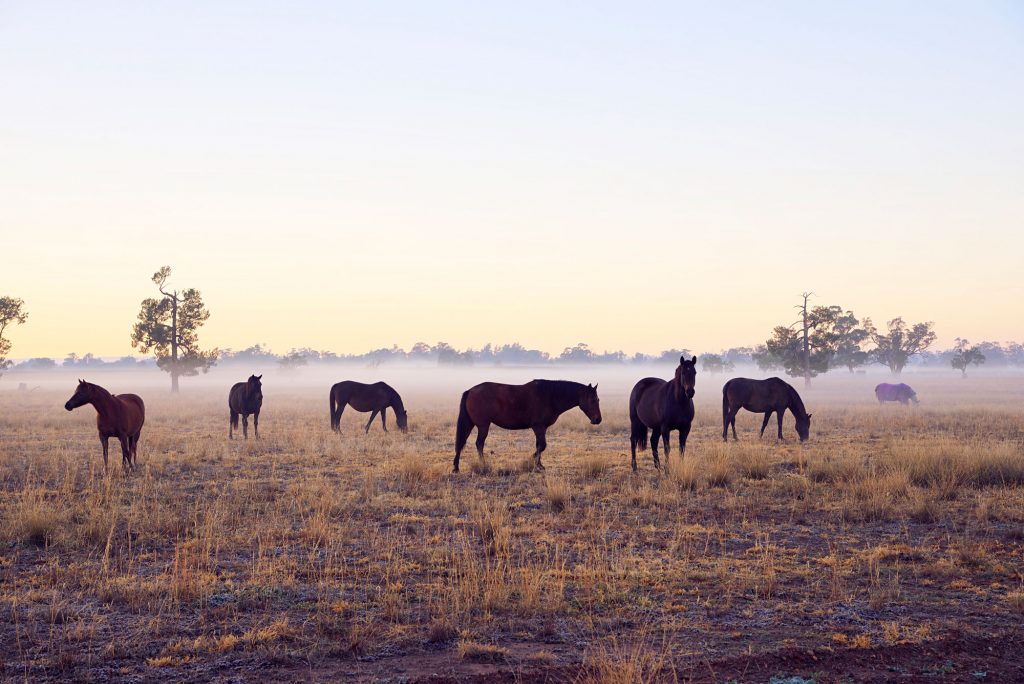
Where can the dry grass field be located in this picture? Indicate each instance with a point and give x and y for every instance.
(890, 547)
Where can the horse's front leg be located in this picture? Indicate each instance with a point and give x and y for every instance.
(126, 453)
(542, 443)
(666, 435)
(383, 422)
(655, 437)
(767, 417)
(256, 424)
(684, 432)
(103, 440)
(245, 426)
(370, 422)
(779, 415)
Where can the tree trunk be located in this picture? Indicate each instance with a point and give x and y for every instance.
(807, 347)
(174, 343)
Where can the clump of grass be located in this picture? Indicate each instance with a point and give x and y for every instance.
(480, 466)
(720, 472)
(491, 523)
(556, 493)
(619, 664)
(440, 631)
(683, 471)
(925, 508)
(413, 473)
(753, 464)
(594, 464)
(1015, 599)
(35, 519)
(482, 653)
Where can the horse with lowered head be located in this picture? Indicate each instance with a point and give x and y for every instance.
(662, 406)
(245, 398)
(362, 397)
(117, 415)
(773, 395)
(535, 405)
(902, 393)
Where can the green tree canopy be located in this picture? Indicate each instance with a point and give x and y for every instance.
(12, 312)
(169, 326)
(895, 347)
(964, 354)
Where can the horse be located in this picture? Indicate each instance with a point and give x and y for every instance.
(662, 406)
(763, 396)
(243, 399)
(117, 415)
(902, 393)
(362, 397)
(535, 405)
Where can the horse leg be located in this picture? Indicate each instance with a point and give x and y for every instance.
(135, 449)
(370, 422)
(780, 414)
(245, 425)
(666, 435)
(383, 422)
(337, 423)
(481, 437)
(542, 444)
(733, 422)
(655, 436)
(767, 417)
(632, 448)
(725, 422)
(684, 432)
(103, 441)
(126, 454)
(232, 421)
(256, 424)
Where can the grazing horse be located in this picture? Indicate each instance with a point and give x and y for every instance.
(243, 399)
(535, 405)
(763, 396)
(362, 397)
(663, 407)
(902, 393)
(117, 415)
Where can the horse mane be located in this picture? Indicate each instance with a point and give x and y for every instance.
(101, 390)
(560, 388)
(796, 404)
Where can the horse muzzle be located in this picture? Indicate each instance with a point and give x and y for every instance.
(595, 421)
(68, 406)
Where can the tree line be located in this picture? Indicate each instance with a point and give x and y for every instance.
(823, 338)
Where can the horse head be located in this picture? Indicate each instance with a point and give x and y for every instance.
(590, 404)
(82, 396)
(254, 387)
(803, 427)
(686, 377)
(402, 418)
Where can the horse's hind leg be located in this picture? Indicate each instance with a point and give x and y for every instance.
(232, 422)
(767, 417)
(732, 421)
(370, 422)
(245, 425)
(256, 424)
(779, 415)
(666, 435)
(126, 453)
(542, 444)
(383, 422)
(481, 437)
(655, 436)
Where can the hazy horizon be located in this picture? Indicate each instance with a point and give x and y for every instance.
(637, 178)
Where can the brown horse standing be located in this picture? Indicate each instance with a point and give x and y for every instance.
(243, 399)
(362, 397)
(120, 415)
(763, 396)
(535, 405)
(663, 407)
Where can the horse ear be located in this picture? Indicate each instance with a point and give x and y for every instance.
(595, 388)
(809, 416)
(260, 376)
(694, 362)
(682, 359)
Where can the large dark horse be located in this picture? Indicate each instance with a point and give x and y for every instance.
(902, 393)
(773, 395)
(663, 407)
(120, 415)
(243, 399)
(535, 405)
(362, 397)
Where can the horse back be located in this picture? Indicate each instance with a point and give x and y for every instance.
(133, 411)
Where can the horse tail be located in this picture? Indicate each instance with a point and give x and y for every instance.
(234, 419)
(335, 414)
(463, 426)
(638, 431)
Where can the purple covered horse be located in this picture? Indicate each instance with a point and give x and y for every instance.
(902, 393)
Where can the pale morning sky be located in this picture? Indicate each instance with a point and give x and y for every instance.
(638, 176)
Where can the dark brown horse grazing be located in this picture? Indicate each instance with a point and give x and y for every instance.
(663, 407)
(120, 415)
(535, 405)
(362, 397)
(243, 399)
(763, 396)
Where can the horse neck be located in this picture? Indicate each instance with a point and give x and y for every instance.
(395, 402)
(101, 399)
(565, 395)
(796, 404)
